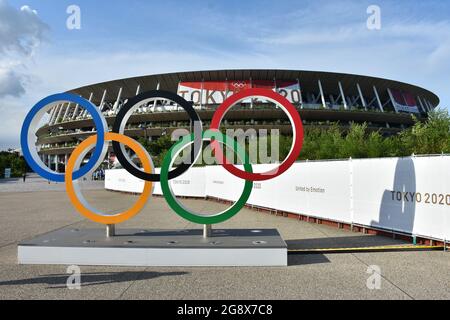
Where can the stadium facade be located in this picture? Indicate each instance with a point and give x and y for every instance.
(322, 98)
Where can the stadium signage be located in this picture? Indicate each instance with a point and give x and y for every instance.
(426, 198)
(404, 102)
(216, 92)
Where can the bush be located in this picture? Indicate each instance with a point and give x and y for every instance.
(430, 137)
(13, 161)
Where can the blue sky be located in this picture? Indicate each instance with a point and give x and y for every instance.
(128, 38)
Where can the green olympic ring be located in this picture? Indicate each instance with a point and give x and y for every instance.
(176, 205)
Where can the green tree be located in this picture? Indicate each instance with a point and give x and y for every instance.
(13, 161)
(425, 137)
(430, 137)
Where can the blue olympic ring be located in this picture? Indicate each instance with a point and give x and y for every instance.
(28, 136)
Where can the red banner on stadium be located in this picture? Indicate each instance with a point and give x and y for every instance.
(405, 101)
(215, 92)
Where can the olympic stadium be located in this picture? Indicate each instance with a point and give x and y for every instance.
(322, 99)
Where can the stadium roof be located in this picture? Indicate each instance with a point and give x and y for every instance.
(308, 82)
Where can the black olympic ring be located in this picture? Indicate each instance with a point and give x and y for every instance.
(126, 112)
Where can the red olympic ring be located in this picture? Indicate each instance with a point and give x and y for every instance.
(297, 132)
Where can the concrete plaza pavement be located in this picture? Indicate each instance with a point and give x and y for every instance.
(36, 207)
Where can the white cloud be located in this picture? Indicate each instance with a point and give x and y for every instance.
(12, 112)
(21, 33)
(439, 59)
(409, 50)
(11, 83)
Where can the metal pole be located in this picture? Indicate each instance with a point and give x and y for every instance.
(363, 101)
(102, 102)
(394, 103)
(110, 230)
(59, 114)
(66, 113)
(324, 105)
(300, 93)
(378, 98)
(52, 113)
(85, 113)
(344, 101)
(430, 106)
(421, 105)
(207, 231)
(156, 101)
(119, 96)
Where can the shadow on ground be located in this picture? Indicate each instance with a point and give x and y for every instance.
(333, 243)
(306, 259)
(343, 242)
(58, 281)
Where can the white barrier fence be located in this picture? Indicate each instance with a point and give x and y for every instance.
(410, 195)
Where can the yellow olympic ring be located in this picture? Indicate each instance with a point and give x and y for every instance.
(120, 217)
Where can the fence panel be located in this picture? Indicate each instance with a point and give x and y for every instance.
(410, 195)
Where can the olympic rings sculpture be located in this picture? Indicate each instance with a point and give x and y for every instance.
(75, 171)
